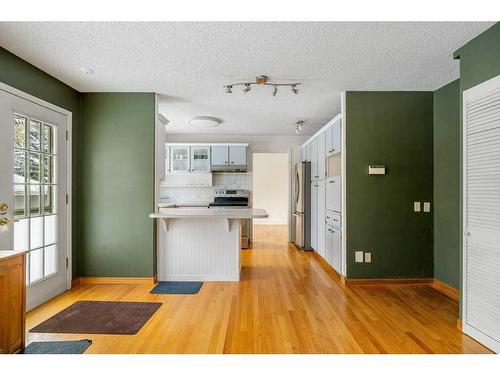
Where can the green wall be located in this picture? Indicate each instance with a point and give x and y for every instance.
(447, 184)
(23, 76)
(395, 129)
(117, 184)
(479, 61)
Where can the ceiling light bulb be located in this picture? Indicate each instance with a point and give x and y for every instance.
(294, 89)
(275, 91)
(297, 131)
(229, 89)
(247, 88)
(299, 127)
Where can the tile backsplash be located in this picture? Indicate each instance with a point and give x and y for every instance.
(206, 193)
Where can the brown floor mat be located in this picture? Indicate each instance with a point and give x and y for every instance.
(107, 317)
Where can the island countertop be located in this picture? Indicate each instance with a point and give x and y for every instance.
(203, 212)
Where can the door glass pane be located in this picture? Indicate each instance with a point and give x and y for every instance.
(50, 260)
(49, 199)
(50, 229)
(48, 169)
(36, 265)
(19, 167)
(20, 201)
(21, 234)
(34, 201)
(48, 144)
(34, 138)
(34, 167)
(19, 131)
(36, 232)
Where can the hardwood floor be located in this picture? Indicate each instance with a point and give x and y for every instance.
(286, 302)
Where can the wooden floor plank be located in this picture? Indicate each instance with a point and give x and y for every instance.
(287, 301)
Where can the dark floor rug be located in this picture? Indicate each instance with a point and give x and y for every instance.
(177, 287)
(58, 347)
(119, 318)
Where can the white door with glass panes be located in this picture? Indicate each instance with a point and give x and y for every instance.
(33, 185)
(200, 159)
(179, 159)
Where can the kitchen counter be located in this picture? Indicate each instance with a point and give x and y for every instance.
(220, 212)
(201, 243)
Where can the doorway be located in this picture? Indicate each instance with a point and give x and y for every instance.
(271, 191)
(34, 187)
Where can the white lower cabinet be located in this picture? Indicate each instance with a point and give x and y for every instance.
(321, 219)
(334, 247)
(314, 215)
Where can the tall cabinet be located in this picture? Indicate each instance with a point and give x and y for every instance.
(324, 151)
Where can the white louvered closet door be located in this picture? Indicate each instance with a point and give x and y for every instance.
(481, 262)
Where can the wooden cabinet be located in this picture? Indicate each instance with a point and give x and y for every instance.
(333, 194)
(12, 302)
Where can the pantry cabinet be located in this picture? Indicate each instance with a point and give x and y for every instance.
(321, 155)
(314, 159)
(314, 214)
(334, 247)
(321, 219)
(333, 194)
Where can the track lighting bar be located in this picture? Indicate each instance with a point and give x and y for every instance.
(262, 81)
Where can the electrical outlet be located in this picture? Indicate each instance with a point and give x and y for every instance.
(358, 256)
(416, 206)
(427, 206)
(368, 257)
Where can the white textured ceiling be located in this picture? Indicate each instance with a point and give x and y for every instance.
(188, 63)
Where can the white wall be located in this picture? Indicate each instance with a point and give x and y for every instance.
(270, 186)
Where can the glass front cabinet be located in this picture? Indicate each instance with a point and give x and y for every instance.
(200, 159)
(187, 159)
(179, 159)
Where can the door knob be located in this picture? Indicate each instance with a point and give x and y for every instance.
(4, 221)
(3, 207)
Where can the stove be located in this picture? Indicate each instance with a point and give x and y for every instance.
(230, 198)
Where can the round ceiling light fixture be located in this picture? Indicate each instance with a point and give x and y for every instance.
(205, 122)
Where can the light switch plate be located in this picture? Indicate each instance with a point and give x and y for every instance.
(368, 257)
(416, 206)
(427, 206)
(358, 256)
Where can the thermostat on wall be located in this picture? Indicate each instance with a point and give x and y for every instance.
(376, 169)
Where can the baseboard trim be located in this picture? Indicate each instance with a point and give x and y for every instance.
(117, 280)
(328, 268)
(388, 281)
(459, 324)
(446, 289)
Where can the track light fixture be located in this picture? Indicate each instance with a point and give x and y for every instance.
(299, 125)
(262, 80)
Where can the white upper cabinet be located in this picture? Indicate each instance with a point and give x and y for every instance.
(308, 152)
(167, 159)
(333, 194)
(237, 155)
(314, 159)
(200, 159)
(220, 155)
(321, 155)
(328, 141)
(337, 137)
(179, 159)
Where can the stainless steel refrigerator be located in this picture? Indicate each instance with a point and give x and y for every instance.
(302, 205)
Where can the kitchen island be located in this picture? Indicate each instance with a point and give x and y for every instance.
(201, 243)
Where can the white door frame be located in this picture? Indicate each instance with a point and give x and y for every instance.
(69, 116)
(289, 184)
(466, 328)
